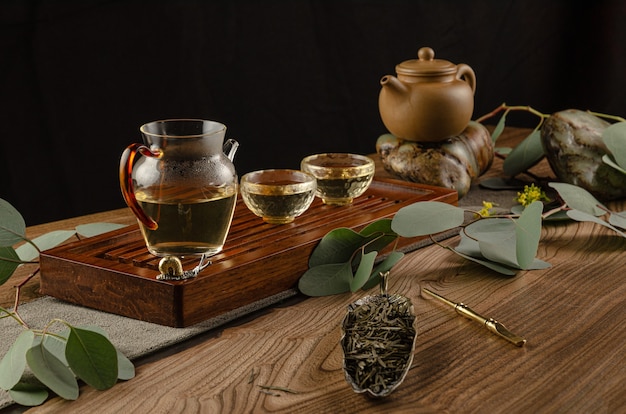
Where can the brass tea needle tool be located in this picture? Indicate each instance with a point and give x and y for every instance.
(491, 324)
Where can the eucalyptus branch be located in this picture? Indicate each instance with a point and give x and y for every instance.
(45, 331)
(553, 211)
(603, 208)
(506, 108)
(438, 243)
(382, 234)
(18, 291)
(9, 314)
(611, 117)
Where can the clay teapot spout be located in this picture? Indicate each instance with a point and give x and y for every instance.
(396, 88)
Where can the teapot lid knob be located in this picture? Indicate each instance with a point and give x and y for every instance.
(426, 65)
(426, 53)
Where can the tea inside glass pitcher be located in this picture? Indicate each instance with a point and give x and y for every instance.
(183, 189)
(191, 221)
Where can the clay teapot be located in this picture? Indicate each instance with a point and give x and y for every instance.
(430, 100)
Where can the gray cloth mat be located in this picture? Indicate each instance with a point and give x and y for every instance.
(147, 337)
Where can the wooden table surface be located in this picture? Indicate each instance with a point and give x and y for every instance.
(572, 314)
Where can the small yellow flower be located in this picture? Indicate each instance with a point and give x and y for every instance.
(485, 211)
(531, 193)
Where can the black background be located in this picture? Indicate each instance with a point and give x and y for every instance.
(288, 78)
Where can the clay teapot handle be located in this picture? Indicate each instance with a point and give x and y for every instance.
(126, 180)
(464, 71)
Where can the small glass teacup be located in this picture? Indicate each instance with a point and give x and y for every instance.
(340, 177)
(278, 196)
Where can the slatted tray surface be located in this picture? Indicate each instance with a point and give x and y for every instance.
(115, 273)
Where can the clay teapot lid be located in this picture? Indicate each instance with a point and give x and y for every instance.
(426, 65)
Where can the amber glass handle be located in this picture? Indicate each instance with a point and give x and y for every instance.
(126, 180)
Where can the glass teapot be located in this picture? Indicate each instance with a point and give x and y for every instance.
(183, 189)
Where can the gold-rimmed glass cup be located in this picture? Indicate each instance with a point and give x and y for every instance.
(341, 177)
(279, 195)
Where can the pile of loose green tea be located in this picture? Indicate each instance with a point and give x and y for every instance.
(378, 343)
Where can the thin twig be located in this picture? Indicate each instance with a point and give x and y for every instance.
(507, 109)
(553, 211)
(18, 290)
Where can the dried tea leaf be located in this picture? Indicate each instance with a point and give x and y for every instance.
(378, 342)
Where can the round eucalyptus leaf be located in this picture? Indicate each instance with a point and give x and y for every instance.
(29, 395)
(614, 136)
(497, 131)
(363, 272)
(52, 372)
(502, 251)
(9, 261)
(499, 183)
(538, 264)
(384, 266)
(426, 217)
(468, 246)
(490, 265)
(528, 233)
(379, 235)
(56, 345)
(327, 279)
(502, 150)
(618, 219)
(582, 216)
(578, 198)
(92, 357)
(125, 368)
(337, 246)
(606, 158)
(28, 252)
(525, 155)
(13, 363)
(491, 229)
(12, 225)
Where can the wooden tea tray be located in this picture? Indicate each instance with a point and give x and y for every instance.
(115, 273)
